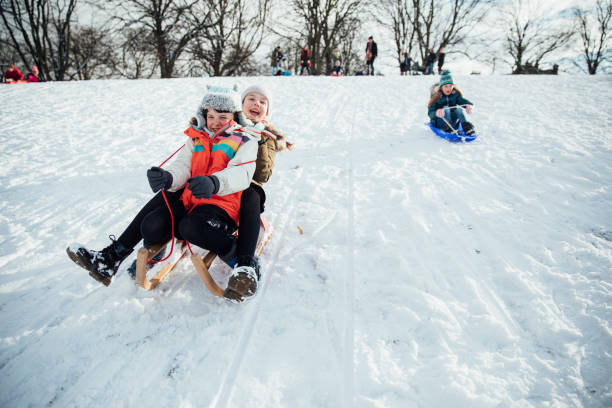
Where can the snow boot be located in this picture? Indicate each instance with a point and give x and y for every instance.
(102, 265)
(132, 268)
(245, 277)
(468, 128)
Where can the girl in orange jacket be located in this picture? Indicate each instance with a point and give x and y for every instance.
(204, 182)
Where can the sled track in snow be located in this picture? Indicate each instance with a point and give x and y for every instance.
(223, 395)
(349, 282)
(229, 379)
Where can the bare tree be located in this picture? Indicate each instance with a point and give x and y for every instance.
(594, 44)
(170, 24)
(423, 24)
(352, 57)
(39, 31)
(398, 17)
(91, 52)
(321, 22)
(135, 55)
(226, 46)
(531, 38)
(444, 24)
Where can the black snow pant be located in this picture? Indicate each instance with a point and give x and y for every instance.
(132, 235)
(251, 207)
(207, 226)
(370, 66)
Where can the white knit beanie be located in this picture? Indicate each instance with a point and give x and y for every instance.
(260, 90)
(220, 99)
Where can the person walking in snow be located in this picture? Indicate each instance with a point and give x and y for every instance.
(208, 175)
(12, 74)
(441, 56)
(429, 62)
(445, 106)
(275, 60)
(371, 54)
(305, 61)
(405, 63)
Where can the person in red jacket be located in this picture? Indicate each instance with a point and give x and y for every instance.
(305, 61)
(12, 74)
(33, 76)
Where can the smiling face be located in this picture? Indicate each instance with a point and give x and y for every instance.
(255, 107)
(216, 120)
(447, 89)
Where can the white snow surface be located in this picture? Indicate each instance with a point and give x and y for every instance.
(428, 274)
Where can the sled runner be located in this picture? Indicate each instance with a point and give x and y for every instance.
(458, 136)
(202, 265)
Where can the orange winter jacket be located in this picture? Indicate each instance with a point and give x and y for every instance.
(229, 154)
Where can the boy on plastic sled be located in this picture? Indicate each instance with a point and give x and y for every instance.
(445, 108)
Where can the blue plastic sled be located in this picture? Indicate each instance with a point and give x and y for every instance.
(452, 137)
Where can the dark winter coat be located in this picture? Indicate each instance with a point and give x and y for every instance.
(305, 57)
(374, 53)
(431, 58)
(441, 59)
(454, 99)
(406, 62)
(277, 56)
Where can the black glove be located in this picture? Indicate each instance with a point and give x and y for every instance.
(159, 178)
(203, 186)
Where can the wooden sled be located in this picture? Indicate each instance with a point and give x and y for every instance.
(202, 266)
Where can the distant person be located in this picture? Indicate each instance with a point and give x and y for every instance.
(429, 62)
(336, 63)
(305, 61)
(445, 108)
(275, 60)
(405, 63)
(371, 54)
(12, 74)
(33, 76)
(441, 55)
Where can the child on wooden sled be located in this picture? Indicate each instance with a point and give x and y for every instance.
(150, 220)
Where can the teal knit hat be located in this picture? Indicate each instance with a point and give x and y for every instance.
(446, 78)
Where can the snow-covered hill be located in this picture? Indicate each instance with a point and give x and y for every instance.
(428, 274)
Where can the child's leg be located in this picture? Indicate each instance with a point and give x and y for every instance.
(132, 234)
(208, 227)
(156, 226)
(251, 206)
(457, 117)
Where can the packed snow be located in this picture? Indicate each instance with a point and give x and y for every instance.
(404, 270)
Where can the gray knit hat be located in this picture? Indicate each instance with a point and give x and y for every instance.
(220, 99)
(260, 90)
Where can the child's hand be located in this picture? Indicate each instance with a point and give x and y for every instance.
(203, 186)
(468, 108)
(440, 113)
(159, 178)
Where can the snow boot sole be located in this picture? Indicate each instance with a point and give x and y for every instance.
(74, 257)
